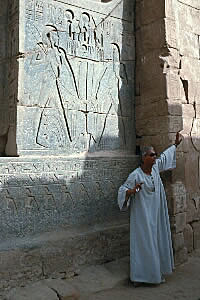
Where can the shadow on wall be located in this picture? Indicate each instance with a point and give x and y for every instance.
(9, 78)
(60, 192)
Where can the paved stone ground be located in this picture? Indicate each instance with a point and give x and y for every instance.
(110, 282)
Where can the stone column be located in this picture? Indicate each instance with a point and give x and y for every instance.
(160, 95)
(4, 107)
(9, 77)
(167, 93)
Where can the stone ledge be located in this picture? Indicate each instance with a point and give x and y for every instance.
(61, 253)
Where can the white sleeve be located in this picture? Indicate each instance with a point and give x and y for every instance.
(167, 159)
(129, 184)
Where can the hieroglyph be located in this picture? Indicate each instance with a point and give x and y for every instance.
(78, 84)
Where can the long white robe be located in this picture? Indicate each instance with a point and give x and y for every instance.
(151, 253)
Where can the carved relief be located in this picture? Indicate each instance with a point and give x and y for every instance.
(44, 186)
(75, 76)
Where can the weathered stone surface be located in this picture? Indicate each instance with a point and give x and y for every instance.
(64, 46)
(177, 202)
(171, 33)
(189, 16)
(95, 279)
(196, 231)
(180, 222)
(192, 208)
(60, 253)
(63, 289)
(38, 194)
(189, 44)
(191, 171)
(179, 63)
(36, 291)
(151, 10)
(178, 242)
(189, 67)
(151, 42)
(181, 256)
(175, 90)
(189, 238)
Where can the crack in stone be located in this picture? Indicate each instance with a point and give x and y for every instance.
(57, 294)
(188, 5)
(108, 15)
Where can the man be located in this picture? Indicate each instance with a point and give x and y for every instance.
(151, 254)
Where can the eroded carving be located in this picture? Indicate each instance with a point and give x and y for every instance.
(76, 78)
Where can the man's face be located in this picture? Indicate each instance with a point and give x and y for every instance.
(150, 157)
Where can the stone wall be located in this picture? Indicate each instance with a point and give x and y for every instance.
(188, 44)
(70, 79)
(167, 88)
(71, 124)
(76, 79)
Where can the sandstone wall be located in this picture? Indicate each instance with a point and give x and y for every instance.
(188, 45)
(167, 88)
(71, 122)
(71, 80)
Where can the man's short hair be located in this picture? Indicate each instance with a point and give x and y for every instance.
(144, 151)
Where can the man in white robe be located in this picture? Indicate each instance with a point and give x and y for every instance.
(151, 254)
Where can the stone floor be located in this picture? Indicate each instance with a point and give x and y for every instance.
(110, 282)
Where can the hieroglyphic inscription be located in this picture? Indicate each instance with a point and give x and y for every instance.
(77, 78)
(54, 180)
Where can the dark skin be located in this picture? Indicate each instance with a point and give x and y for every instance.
(148, 161)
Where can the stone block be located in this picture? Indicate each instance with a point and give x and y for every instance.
(188, 111)
(189, 44)
(187, 125)
(189, 238)
(151, 65)
(170, 9)
(171, 33)
(195, 134)
(196, 231)
(181, 256)
(60, 253)
(94, 279)
(175, 124)
(179, 174)
(35, 291)
(151, 11)
(153, 36)
(180, 222)
(150, 110)
(197, 110)
(178, 242)
(192, 211)
(191, 3)
(63, 289)
(183, 12)
(174, 86)
(137, 15)
(189, 16)
(190, 67)
(153, 89)
(174, 108)
(178, 204)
